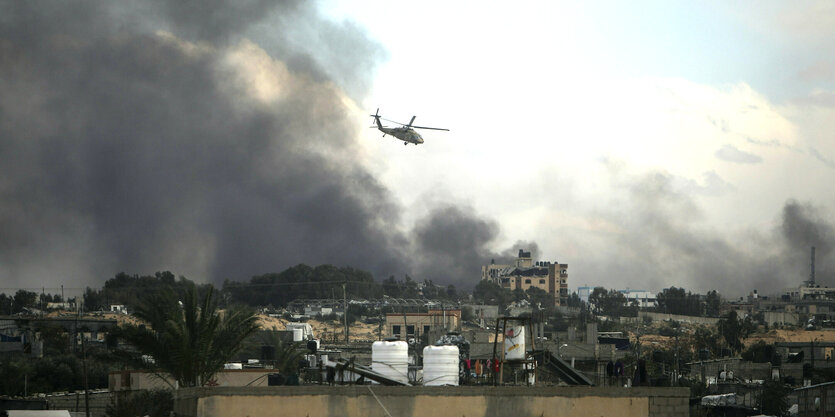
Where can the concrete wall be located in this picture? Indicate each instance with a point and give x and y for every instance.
(663, 316)
(139, 380)
(781, 317)
(378, 401)
(74, 402)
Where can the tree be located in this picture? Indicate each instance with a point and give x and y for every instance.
(189, 340)
(24, 299)
(151, 403)
(487, 292)
(733, 330)
(541, 297)
(774, 398)
(712, 304)
(678, 301)
(611, 303)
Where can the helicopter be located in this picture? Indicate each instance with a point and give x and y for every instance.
(406, 132)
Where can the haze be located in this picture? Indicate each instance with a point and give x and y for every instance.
(644, 144)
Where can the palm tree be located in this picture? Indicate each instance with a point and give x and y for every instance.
(189, 339)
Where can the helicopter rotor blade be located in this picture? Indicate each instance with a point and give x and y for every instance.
(392, 121)
(430, 128)
(411, 121)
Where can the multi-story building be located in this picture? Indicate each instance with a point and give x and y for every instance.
(525, 273)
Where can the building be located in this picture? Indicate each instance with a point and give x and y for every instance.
(483, 314)
(584, 292)
(525, 273)
(405, 326)
(643, 298)
(816, 400)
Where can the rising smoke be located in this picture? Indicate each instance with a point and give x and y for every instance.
(210, 140)
(658, 239)
(149, 136)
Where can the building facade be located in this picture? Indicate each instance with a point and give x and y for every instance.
(525, 273)
(405, 326)
(642, 298)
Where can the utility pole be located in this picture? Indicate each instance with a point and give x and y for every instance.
(345, 309)
(84, 371)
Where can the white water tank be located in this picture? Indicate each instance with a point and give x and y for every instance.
(298, 335)
(514, 342)
(440, 365)
(391, 359)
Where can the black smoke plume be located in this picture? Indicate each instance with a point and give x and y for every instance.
(207, 138)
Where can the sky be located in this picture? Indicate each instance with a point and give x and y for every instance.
(645, 144)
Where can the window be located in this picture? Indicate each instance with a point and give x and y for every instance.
(425, 329)
(542, 281)
(410, 330)
(527, 281)
(395, 330)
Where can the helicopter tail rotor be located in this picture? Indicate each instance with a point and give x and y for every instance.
(376, 117)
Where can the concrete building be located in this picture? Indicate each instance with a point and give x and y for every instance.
(483, 314)
(407, 326)
(525, 273)
(816, 400)
(644, 298)
(584, 292)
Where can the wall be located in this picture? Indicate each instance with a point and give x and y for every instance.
(138, 380)
(378, 401)
(74, 402)
(663, 316)
(781, 317)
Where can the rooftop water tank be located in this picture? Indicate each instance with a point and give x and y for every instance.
(440, 365)
(298, 335)
(391, 359)
(514, 342)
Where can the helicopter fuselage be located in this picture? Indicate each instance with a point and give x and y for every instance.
(406, 134)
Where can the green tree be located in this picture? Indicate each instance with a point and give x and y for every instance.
(611, 303)
(733, 330)
(678, 301)
(487, 292)
(189, 340)
(24, 299)
(712, 304)
(541, 297)
(774, 398)
(151, 403)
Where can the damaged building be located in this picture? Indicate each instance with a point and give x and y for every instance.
(525, 273)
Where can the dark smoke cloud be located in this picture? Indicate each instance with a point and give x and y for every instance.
(132, 141)
(802, 228)
(126, 149)
(455, 242)
(661, 241)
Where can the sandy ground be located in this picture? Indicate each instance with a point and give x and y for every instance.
(772, 336)
(327, 331)
(822, 335)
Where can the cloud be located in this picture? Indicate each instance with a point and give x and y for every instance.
(149, 137)
(826, 161)
(663, 235)
(730, 153)
(194, 149)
